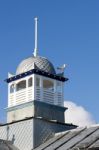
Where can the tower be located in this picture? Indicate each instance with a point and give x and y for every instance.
(35, 101)
(36, 89)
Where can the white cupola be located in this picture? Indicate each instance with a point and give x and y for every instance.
(35, 79)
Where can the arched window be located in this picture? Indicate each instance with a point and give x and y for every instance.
(12, 88)
(21, 85)
(47, 84)
(30, 82)
(38, 82)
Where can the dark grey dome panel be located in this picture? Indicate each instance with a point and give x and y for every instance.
(41, 63)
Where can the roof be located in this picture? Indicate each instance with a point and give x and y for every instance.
(77, 139)
(38, 72)
(40, 118)
(7, 145)
(41, 63)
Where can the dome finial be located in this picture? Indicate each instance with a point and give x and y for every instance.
(35, 48)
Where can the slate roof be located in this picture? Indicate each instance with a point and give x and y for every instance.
(77, 139)
(7, 145)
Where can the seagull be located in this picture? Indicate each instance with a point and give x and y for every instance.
(62, 68)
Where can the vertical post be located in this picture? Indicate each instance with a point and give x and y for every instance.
(26, 91)
(55, 93)
(8, 94)
(34, 87)
(14, 94)
(41, 89)
(35, 48)
(63, 94)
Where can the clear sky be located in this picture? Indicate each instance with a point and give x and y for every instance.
(68, 33)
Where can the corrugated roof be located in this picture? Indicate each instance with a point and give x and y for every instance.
(81, 138)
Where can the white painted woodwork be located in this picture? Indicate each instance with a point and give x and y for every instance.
(36, 92)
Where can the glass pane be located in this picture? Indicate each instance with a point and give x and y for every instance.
(48, 84)
(21, 85)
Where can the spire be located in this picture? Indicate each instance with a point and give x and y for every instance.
(35, 48)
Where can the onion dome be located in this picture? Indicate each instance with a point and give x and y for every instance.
(41, 63)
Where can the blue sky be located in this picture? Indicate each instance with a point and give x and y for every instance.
(68, 33)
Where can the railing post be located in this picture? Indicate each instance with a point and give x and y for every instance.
(55, 93)
(26, 91)
(34, 88)
(41, 89)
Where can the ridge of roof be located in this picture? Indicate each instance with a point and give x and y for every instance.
(40, 118)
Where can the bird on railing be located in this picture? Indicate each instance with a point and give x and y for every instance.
(61, 69)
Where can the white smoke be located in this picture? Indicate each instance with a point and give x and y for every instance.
(77, 115)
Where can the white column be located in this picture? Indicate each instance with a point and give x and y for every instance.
(8, 95)
(34, 87)
(55, 92)
(41, 89)
(62, 94)
(26, 90)
(14, 94)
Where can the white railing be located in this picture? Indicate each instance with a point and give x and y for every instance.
(11, 99)
(59, 98)
(29, 94)
(38, 93)
(21, 96)
(44, 95)
(48, 96)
